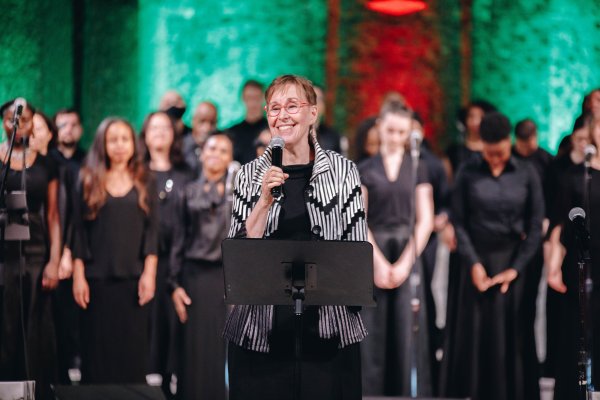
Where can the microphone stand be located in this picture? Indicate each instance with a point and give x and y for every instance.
(585, 366)
(414, 277)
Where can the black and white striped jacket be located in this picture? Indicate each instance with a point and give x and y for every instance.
(336, 210)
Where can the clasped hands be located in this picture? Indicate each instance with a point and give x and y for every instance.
(483, 282)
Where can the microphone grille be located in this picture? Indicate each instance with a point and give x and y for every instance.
(277, 141)
(416, 135)
(590, 150)
(576, 212)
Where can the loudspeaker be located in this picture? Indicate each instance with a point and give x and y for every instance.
(17, 390)
(108, 392)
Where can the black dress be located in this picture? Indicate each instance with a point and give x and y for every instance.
(567, 340)
(113, 246)
(39, 324)
(498, 223)
(386, 352)
(201, 223)
(328, 372)
(169, 184)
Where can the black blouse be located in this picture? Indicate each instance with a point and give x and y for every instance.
(490, 210)
(389, 203)
(38, 177)
(116, 243)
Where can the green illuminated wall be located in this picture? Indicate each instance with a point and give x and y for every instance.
(206, 49)
(536, 58)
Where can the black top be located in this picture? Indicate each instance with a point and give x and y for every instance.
(489, 211)
(389, 203)
(540, 160)
(458, 154)
(74, 161)
(571, 195)
(436, 176)
(116, 243)
(38, 176)
(168, 185)
(191, 154)
(294, 222)
(557, 172)
(243, 135)
(201, 223)
(328, 138)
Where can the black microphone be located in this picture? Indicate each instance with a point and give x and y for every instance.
(577, 217)
(19, 105)
(277, 144)
(415, 143)
(589, 151)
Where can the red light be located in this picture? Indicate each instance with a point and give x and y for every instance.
(396, 7)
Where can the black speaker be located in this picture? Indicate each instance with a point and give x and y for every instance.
(108, 392)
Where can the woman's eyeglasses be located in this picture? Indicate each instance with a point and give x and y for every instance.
(290, 108)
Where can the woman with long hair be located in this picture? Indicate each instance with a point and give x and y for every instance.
(390, 198)
(160, 149)
(115, 252)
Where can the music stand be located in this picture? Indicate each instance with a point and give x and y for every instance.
(298, 273)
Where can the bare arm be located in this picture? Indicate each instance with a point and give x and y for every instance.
(554, 264)
(50, 278)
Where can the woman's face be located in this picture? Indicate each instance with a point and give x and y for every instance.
(293, 128)
(41, 134)
(497, 154)
(159, 132)
(579, 139)
(119, 143)
(474, 117)
(595, 132)
(216, 154)
(25, 123)
(394, 131)
(372, 142)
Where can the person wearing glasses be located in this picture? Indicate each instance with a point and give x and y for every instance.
(321, 200)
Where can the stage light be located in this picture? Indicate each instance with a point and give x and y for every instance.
(396, 7)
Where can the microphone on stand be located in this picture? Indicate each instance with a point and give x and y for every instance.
(232, 170)
(19, 105)
(416, 138)
(578, 218)
(589, 151)
(277, 145)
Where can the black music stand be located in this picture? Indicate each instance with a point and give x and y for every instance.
(298, 273)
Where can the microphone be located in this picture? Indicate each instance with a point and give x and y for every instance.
(19, 105)
(277, 144)
(232, 170)
(577, 217)
(415, 143)
(589, 151)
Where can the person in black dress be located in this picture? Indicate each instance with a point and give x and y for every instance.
(563, 273)
(321, 201)
(366, 140)
(497, 213)
(203, 214)
(38, 274)
(160, 149)
(389, 193)
(115, 251)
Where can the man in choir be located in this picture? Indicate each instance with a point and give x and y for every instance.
(204, 122)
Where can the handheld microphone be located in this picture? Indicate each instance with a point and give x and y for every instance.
(277, 145)
(589, 151)
(19, 105)
(416, 137)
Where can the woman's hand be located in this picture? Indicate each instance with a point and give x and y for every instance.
(272, 178)
(401, 271)
(50, 276)
(65, 267)
(504, 279)
(480, 278)
(555, 280)
(81, 289)
(181, 300)
(146, 287)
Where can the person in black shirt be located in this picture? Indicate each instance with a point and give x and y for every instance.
(497, 213)
(366, 140)
(173, 104)
(389, 192)
(161, 151)
(115, 251)
(245, 133)
(203, 213)
(41, 254)
(563, 273)
(204, 123)
(328, 138)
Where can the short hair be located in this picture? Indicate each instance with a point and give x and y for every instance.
(397, 108)
(253, 83)
(66, 110)
(495, 127)
(525, 129)
(300, 82)
(485, 105)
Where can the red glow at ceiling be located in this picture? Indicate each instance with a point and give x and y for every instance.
(396, 7)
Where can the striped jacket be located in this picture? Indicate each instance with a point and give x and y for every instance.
(336, 211)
